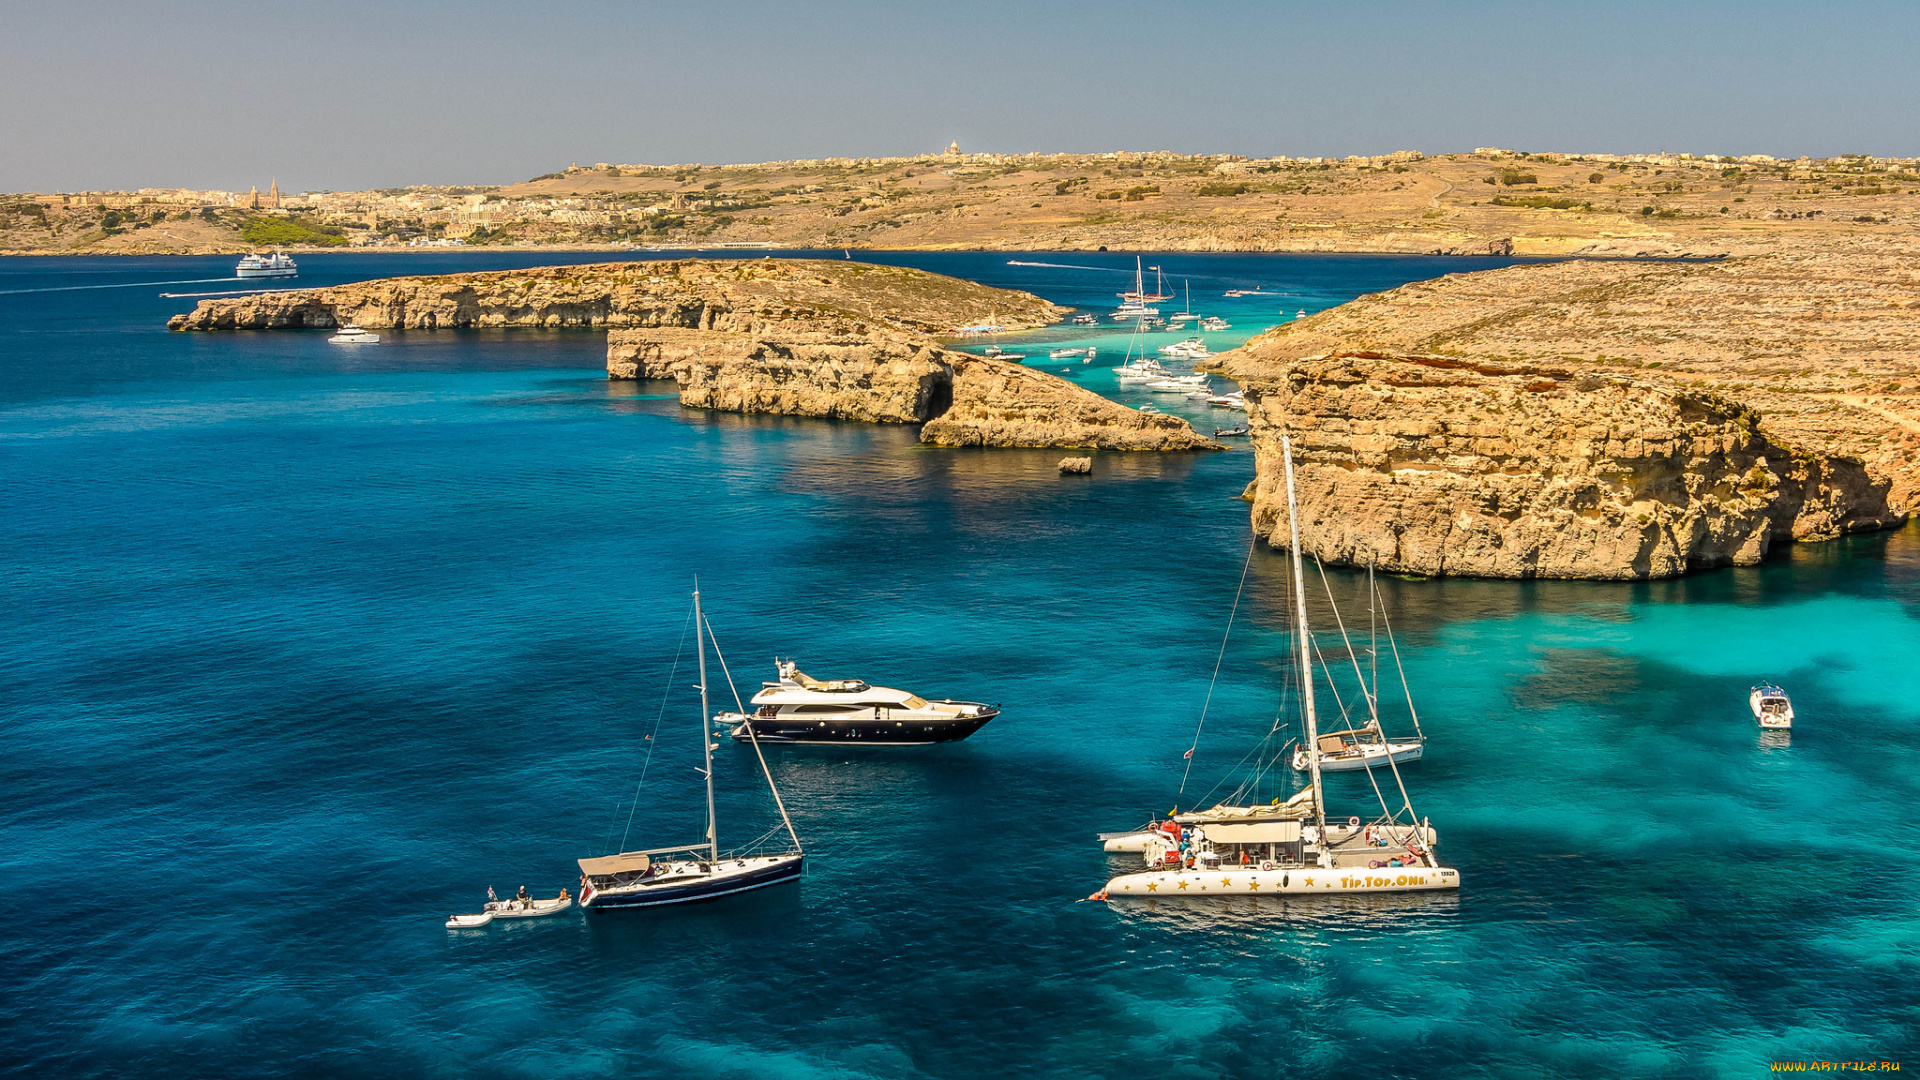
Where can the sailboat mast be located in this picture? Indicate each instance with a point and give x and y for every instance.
(706, 732)
(1306, 659)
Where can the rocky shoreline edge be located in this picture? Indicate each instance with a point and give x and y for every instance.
(797, 337)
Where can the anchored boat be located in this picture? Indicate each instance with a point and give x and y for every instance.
(1770, 706)
(678, 875)
(797, 708)
(1286, 848)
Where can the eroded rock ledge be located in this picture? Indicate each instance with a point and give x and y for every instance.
(746, 295)
(806, 338)
(1434, 465)
(960, 399)
(1601, 419)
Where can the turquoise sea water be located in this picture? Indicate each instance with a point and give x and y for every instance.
(304, 647)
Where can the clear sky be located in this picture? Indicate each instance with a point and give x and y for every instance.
(333, 95)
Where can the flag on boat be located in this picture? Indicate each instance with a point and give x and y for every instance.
(490, 895)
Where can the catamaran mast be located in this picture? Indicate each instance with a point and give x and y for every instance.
(1306, 658)
(706, 734)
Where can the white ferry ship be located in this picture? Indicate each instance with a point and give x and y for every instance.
(278, 264)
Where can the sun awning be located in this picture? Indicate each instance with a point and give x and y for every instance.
(609, 865)
(1259, 832)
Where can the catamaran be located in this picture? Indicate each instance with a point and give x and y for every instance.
(1286, 848)
(677, 875)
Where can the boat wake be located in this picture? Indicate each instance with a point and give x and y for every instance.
(1066, 266)
(123, 285)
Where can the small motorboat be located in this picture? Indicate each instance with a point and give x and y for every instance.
(1149, 408)
(1066, 354)
(1215, 322)
(528, 908)
(1226, 432)
(1770, 706)
(1234, 400)
(1301, 314)
(1084, 319)
(515, 908)
(353, 335)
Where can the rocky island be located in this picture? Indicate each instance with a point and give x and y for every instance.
(810, 338)
(1597, 419)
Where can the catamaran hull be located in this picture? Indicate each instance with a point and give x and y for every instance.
(710, 887)
(788, 729)
(1289, 882)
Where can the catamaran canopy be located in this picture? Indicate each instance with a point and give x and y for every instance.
(609, 865)
(1260, 832)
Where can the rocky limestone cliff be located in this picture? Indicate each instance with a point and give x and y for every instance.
(963, 400)
(1432, 465)
(996, 403)
(745, 296)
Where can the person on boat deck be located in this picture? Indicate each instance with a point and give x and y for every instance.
(522, 895)
(563, 893)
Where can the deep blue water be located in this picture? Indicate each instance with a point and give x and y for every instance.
(304, 647)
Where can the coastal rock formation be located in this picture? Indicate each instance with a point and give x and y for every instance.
(1601, 419)
(963, 400)
(996, 403)
(1429, 465)
(745, 296)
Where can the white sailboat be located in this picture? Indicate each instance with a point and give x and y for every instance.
(1291, 848)
(677, 875)
(1140, 295)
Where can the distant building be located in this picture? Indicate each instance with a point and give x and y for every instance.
(273, 193)
(953, 148)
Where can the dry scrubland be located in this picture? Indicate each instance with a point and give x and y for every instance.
(1542, 204)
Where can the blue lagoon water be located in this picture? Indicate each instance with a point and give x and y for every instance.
(304, 647)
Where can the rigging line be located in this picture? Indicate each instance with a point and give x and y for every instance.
(653, 739)
(1373, 708)
(1405, 799)
(1388, 622)
(1340, 622)
(753, 738)
(1327, 670)
(1218, 660)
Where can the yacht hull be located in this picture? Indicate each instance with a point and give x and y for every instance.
(1373, 758)
(1296, 881)
(671, 890)
(800, 730)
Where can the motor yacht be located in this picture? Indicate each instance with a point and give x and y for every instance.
(275, 265)
(1770, 706)
(1181, 348)
(1085, 319)
(1215, 322)
(353, 335)
(797, 708)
